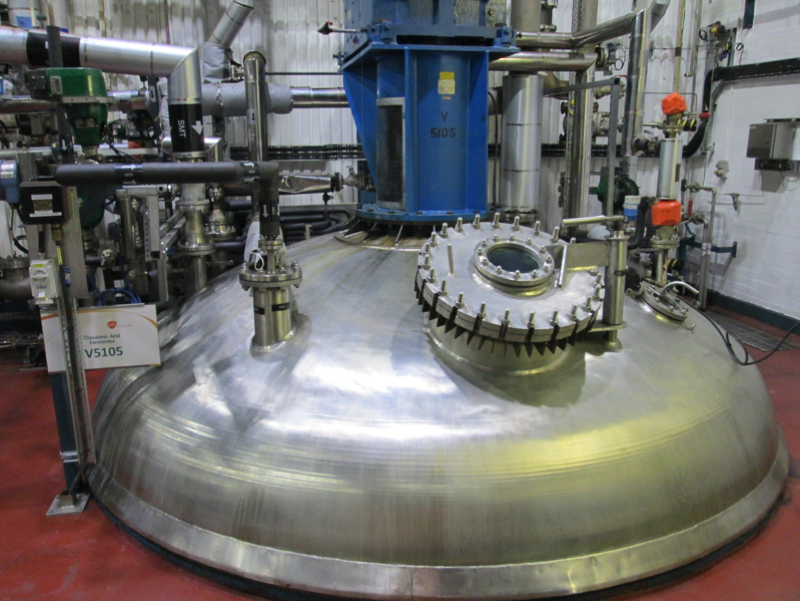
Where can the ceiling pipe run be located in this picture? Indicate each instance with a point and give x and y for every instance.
(593, 35)
(533, 62)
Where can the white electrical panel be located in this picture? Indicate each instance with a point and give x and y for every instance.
(44, 281)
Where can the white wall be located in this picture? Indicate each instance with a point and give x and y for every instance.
(767, 224)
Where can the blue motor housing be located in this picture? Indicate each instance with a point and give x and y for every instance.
(418, 89)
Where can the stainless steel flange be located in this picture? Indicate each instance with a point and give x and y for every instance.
(505, 283)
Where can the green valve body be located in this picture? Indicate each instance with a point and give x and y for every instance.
(624, 186)
(83, 94)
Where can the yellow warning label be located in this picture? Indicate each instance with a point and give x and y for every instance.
(447, 83)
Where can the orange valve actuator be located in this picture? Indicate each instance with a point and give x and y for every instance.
(666, 213)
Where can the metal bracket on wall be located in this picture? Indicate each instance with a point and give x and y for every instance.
(731, 250)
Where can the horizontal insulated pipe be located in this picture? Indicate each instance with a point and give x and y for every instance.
(230, 99)
(533, 62)
(166, 173)
(180, 65)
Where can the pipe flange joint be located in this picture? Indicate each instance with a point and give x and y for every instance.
(193, 205)
(256, 275)
(194, 250)
(666, 304)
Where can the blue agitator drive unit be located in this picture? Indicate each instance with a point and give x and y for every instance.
(416, 75)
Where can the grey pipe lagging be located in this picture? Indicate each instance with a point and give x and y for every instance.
(231, 23)
(180, 65)
(217, 49)
(230, 99)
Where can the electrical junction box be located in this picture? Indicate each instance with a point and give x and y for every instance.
(44, 281)
(775, 145)
(41, 203)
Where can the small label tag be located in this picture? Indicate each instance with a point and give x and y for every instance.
(280, 307)
(447, 83)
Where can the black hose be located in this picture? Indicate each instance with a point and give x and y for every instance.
(229, 245)
(697, 140)
(165, 173)
(707, 90)
(315, 226)
(18, 245)
(641, 224)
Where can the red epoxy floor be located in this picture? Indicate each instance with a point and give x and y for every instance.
(85, 557)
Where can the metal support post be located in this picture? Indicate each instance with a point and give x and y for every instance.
(612, 147)
(71, 390)
(708, 241)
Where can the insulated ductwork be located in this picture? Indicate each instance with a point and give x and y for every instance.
(231, 23)
(180, 65)
(230, 99)
(216, 51)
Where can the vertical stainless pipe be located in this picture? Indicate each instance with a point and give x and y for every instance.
(637, 78)
(705, 251)
(579, 136)
(677, 75)
(196, 274)
(257, 98)
(271, 326)
(579, 148)
(669, 160)
(520, 164)
(127, 247)
(660, 267)
(194, 246)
